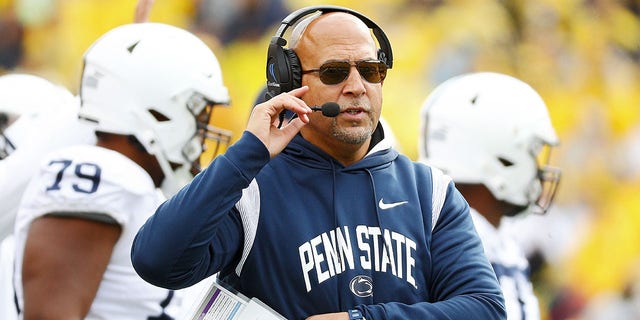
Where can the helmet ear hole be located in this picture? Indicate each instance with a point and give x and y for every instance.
(160, 117)
(506, 163)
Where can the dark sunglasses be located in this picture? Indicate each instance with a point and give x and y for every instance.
(334, 72)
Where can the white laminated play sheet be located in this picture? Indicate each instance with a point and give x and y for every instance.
(220, 302)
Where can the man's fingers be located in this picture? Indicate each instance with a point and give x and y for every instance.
(295, 104)
(286, 101)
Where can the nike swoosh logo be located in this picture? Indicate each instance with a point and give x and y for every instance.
(385, 206)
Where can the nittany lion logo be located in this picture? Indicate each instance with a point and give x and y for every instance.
(361, 286)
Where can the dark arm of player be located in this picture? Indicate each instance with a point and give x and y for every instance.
(197, 232)
(464, 284)
(64, 260)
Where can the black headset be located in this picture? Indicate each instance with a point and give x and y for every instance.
(284, 72)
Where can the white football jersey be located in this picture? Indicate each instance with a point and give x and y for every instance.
(90, 179)
(49, 133)
(511, 268)
(7, 304)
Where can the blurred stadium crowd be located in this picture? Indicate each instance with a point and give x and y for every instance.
(582, 56)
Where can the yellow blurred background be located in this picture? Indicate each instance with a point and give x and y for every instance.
(581, 56)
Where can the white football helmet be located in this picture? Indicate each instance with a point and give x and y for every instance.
(26, 103)
(491, 129)
(152, 81)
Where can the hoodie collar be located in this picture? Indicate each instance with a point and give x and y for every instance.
(380, 152)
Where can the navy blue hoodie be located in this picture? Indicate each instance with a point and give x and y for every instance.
(307, 235)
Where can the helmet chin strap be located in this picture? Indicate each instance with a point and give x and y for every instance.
(174, 179)
(533, 193)
(148, 141)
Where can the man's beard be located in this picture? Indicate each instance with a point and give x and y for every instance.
(351, 135)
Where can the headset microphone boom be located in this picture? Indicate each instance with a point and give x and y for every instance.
(329, 109)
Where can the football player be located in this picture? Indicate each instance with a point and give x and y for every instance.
(36, 116)
(147, 91)
(492, 134)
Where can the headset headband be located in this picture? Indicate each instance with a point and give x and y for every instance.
(292, 18)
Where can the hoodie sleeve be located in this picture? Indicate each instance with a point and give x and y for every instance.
(198, 231)
(464, 285)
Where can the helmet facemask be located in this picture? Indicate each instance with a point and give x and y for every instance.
(5, 144)
(211, 140)
(549, 179)
(6, 147)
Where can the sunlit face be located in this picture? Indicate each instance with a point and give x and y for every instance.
(340, 37)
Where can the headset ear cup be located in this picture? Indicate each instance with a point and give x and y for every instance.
(295, 70)
(275, 60)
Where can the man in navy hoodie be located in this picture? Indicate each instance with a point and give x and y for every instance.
(318, 216)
